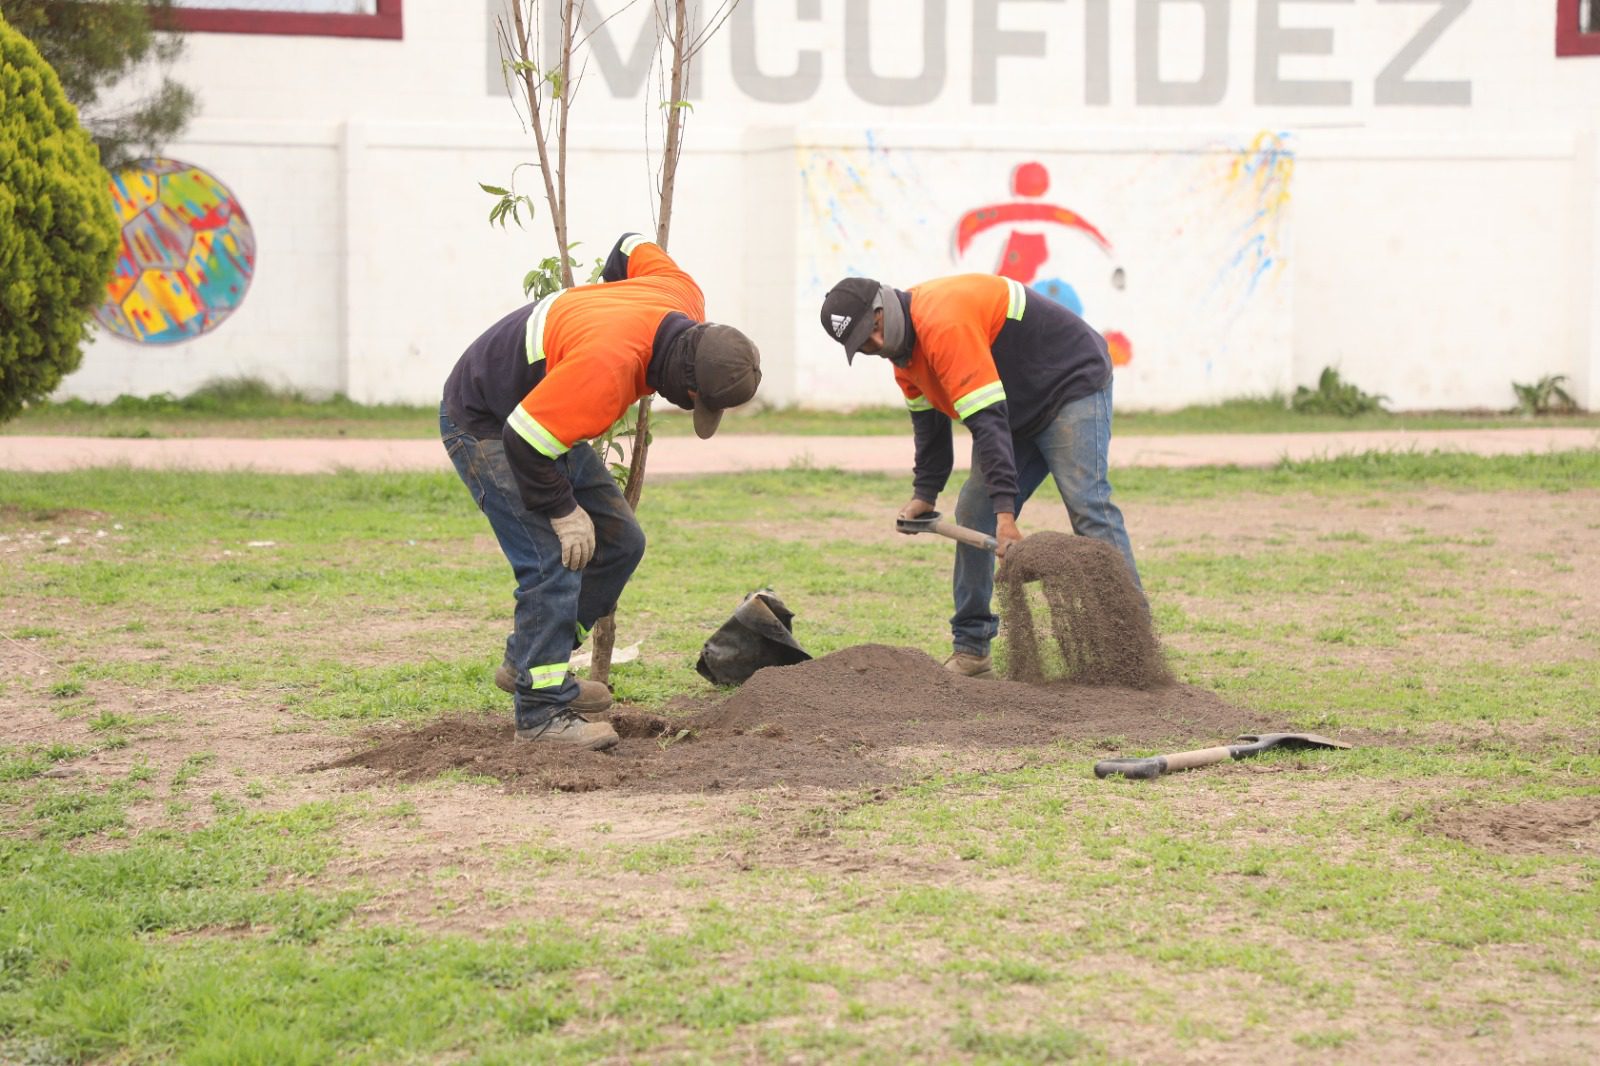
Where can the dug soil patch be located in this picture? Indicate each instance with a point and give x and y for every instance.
(1568, 826)
(833, 722)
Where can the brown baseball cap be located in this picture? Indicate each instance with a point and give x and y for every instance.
(727, 369)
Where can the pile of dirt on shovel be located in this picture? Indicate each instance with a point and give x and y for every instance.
(834, 722)
(1096, 618)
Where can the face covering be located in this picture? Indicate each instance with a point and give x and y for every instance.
(896, 338)
(673, 372)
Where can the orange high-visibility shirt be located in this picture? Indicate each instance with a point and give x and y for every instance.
(956, 321)
(595, 342)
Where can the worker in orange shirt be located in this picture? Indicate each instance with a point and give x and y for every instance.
(1029, 379)
(518, 409)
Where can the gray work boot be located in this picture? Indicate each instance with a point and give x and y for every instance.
(573, 731)
(981, 666)
(593, 697)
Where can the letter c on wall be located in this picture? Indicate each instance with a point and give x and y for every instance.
(793, 88)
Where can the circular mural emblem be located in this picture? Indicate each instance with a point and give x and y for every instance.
(188, 253)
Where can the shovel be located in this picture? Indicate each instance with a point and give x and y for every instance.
(932, 523)
(1253, 744)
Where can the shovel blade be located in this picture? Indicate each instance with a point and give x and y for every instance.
(1263, 741)
(920, 524)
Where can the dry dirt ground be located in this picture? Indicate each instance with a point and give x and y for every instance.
(465, 853)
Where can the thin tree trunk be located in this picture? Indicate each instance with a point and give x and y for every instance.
(605, 631)
(555, 178)
(674, 145)
(569, 31)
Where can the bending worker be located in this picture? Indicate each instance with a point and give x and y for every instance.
(1031, 381)
(518, 409)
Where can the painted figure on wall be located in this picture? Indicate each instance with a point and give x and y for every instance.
(188, 253)
(1027, 251)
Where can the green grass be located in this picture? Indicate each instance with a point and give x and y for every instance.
(251, 408)
(1301, 907)
(234, 407)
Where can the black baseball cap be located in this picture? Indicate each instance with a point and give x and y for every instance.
(727, 369)
(847, 313)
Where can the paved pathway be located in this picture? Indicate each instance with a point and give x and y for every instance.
(733, 453)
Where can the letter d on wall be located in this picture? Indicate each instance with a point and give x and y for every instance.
(1211, 86)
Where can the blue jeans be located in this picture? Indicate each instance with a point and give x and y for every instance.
(1072, 450)
(555, 606)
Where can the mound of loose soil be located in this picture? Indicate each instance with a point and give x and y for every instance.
(1098, 621)
(833, 722)
(1569, 826)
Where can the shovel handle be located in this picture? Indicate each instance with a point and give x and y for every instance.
(964, 535)
(1156, 765)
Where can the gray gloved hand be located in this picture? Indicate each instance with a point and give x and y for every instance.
(576, 531)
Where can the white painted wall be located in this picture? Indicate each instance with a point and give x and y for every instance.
(1439, 238)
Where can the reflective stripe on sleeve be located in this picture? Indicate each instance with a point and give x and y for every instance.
(550, 676)
(979, 398)
(921, 403)
(535, 341)
(528, 428)
(632, 241)
(583, 632)
(1018, 299)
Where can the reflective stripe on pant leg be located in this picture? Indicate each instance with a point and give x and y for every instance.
(548, 675)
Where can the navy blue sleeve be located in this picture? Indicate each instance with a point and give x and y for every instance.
(616, 268)
(542, 486)
(935, 454)
(993, 454)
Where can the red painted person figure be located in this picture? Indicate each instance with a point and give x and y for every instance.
(1025, 252)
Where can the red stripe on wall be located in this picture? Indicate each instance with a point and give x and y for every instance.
(386, 24)
(1571, 39)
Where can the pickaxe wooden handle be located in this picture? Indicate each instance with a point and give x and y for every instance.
(1252, 744)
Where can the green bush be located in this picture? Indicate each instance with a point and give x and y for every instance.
(1547, 396)
(1334, 396)
(58, 234)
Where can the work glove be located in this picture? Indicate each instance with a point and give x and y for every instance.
(576, 531)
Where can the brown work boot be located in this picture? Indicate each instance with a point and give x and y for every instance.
(505, 678)
(593, 697)
(980, 666)
(573, 731)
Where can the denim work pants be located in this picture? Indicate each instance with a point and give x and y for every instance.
(555, 606)
(1072, 450)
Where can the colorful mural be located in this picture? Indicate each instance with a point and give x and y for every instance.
(1179, 255)
(1256, 184)
(860, 203)
(188, 253)
(1026, 252)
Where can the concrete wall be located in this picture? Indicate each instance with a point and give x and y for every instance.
(1405, 189)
